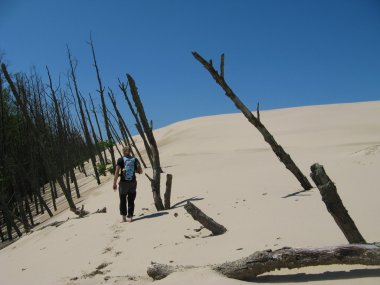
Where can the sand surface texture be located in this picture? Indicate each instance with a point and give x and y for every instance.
(221, 164)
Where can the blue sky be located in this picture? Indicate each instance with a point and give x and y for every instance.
(280, 53)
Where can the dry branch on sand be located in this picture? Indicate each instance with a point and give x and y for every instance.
(267, 260)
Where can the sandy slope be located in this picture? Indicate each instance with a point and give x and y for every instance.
(223, 165)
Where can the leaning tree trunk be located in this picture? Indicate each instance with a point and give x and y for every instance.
(104, 107)
(123, 127)
(267, 260)
(86, 132)
(278, 150)
(99, 129)
(155, 182)
(138, 124)
(335, 205)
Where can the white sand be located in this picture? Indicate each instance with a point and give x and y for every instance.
(224, 166)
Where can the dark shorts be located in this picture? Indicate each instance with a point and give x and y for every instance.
(126, 187)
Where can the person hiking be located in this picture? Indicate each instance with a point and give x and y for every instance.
(126, 167)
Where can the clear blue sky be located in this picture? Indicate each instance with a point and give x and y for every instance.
(281, 53)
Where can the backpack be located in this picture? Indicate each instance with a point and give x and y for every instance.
(129, 168)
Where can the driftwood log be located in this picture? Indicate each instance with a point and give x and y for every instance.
(206, 221)
(335, 205)
(277, 149)
(265, 261)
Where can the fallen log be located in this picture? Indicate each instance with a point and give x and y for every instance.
(335, 205)
(206, 221)
(267, 260)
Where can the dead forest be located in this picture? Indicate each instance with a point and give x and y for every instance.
(49, 133)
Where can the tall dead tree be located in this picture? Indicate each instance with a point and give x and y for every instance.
(104, 107)
(277, 149)
(84, 124)
(97, 147)
(123, 128)
(98, 125)
(139, 128)
(155, 181)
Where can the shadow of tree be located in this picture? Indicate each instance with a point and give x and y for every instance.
(155, 215)
(299, 193)
(177, 205)
(303, 277)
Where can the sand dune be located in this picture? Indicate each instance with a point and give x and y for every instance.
(223, 165)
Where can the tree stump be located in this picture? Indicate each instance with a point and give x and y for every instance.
(335, 205)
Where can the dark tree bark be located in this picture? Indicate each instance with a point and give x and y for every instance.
(138, 123)
(277, 149)
(123, 127)
(99, 129)
(168, 191)
(97, 148)
(206, 221)
(267, 260)
(86, 132)
(104, 107)
(335, 205)
(155, 182)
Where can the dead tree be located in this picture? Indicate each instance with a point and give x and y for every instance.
(99, 129)
(97, 146)
(335, 205)
(267, 260)
(85, 128)
(123, 127)
(206, 221)
(155, 181)
(278, 150)
(104, 107)
(139, 128)
(168, 191)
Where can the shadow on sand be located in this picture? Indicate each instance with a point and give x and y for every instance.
(303, 277)
(155, 215)
(299, 193)
(179, 204)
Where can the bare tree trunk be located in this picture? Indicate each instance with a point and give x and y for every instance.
(277, 149)
(155, 182)
(104, 107)
(206, 221)
(124, 126)
(74, 179)
(86, 132)
(335, 205)
(138, 124)
(168, 191)
(97, 148)
(267, 260)
(99, 130)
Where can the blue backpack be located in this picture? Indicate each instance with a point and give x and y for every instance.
(129, 168)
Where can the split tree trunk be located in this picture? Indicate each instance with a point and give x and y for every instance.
(206, 221)
(267, 260)
(278, 150)
(155, 182)
(335, 205)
